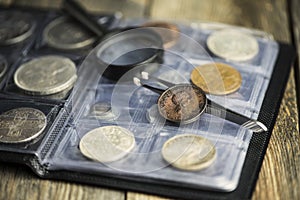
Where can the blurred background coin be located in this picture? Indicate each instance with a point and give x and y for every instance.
(66, 34)
(15, 27)
(233, 45)
(169, 38)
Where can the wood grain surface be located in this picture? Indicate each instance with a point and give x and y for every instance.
(280, 174)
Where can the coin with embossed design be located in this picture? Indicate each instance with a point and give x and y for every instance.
(182, 103)
(15, 27)
(189, 152)
(233, 45)
(216, 78)
(64, 33)
(107, 143)
(21, 125)
(46, 75)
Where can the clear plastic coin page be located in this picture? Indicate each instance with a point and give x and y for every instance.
(52, 108)
(135, 108)
(51, 111)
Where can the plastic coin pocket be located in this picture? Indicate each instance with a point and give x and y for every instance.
(54, 34)
(104, 126)
(24, 124)
(43, 76)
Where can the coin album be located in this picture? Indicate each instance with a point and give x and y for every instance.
(93, 101)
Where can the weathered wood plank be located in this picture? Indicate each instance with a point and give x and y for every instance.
(129, 8)
(18, 182)
(295, 23)
(280, 173)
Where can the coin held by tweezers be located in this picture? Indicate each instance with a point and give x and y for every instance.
(63, 33)
(46, 75)
(216, 78)
(15, 27)
(169, 38)
(233, 45)
(189, 152)
(182, 103)
(107, 143)
(21, 125)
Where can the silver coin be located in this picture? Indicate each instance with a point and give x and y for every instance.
(3, 66)
(103, 111)
(21, 125)
(15, 27)
(46, 75)
(189, 152)
(233, 45)
(107, 143)
(63, 33)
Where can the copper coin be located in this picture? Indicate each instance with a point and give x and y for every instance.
(216, 78)
(169, 38)
(182, 103)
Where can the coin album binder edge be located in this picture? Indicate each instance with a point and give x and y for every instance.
(35, 158)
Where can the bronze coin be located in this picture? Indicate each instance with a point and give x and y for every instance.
(182, 103)
(216, 78)
(169, 38)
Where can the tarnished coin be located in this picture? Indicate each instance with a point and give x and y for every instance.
(233, 45)
(189, 152)
(3, 66)
(103, 110)
(46, 75)
(169, 37)
(21, 125)
(216, 78)
(107, 143)
(15, 27)
(64, 33)
(183, 103)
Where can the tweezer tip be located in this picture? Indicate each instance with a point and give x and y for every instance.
(137, 81)
(255, 126)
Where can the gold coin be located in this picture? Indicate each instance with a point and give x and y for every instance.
(216, 78)
(189, 152)
(169, 38)
(107, 143)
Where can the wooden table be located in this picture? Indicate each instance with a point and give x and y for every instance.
(280, 174)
